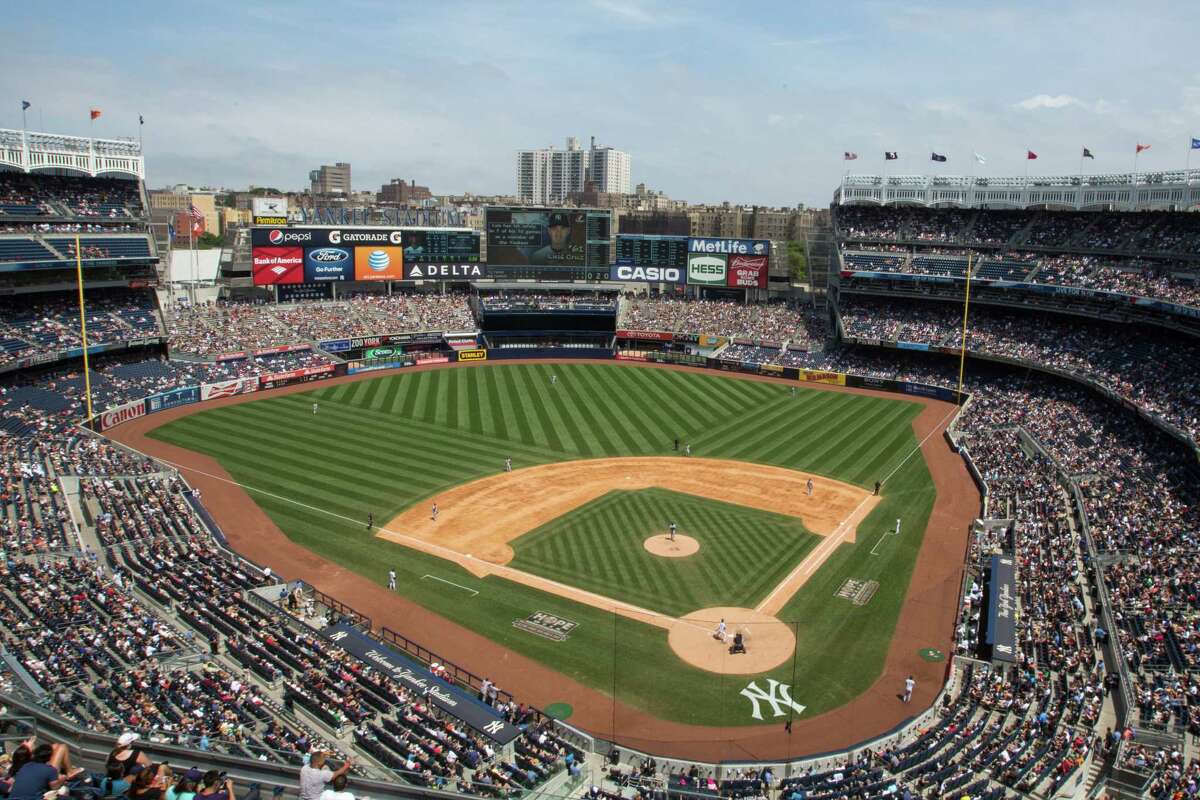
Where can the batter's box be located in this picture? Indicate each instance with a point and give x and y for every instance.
(858, 592)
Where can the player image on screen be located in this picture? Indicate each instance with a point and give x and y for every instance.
(560, 250)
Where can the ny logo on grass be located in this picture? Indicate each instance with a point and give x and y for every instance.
(779, 695)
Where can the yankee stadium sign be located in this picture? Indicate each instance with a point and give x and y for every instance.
(422, 217)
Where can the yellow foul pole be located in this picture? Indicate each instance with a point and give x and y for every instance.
(87, 377)
(962, 354)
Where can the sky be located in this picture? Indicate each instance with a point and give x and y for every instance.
(748, 102)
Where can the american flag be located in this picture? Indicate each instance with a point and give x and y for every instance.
(195, 212)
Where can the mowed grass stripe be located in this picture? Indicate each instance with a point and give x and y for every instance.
(560, 408)
(495, 419)
(887, 430)
(518, 401)
(863, 429)
(671, 412)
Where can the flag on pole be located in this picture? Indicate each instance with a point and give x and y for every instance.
(1088, 154)
(197, 218)
(849, 156)
(25, 104)
(1030, 155)
(1195, 143)
(980, 159)
(936, 157)
(141, 120)
(1140, 148)
(171, 231)
(890, 155)
(95, 112)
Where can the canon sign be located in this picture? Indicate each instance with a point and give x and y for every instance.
(115, 416)
(738, 247)
(648, 274)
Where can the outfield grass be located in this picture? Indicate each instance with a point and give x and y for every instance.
(743, 553)
(380, 445)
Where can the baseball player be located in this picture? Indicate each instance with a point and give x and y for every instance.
(808, 487)
(433, 512)
(370, 520)
(315, 407)
(672, 534)
(392, 579)
(793, 391)
(897, 526)
(909, 685)
(508, 464)
(553, 379)
(720, 634)
(687, 449)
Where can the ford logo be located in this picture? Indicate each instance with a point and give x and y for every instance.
(329, 255)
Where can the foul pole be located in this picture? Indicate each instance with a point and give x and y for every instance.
(87, 375)
(962, 353)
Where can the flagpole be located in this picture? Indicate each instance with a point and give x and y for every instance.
(962, 352)
(87, 378)
(191, 223)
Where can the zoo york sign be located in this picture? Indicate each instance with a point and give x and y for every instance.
(778, 695)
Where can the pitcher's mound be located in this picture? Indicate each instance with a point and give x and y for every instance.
(661, 545)
(768, 641)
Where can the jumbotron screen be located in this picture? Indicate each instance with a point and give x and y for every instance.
(547, 243)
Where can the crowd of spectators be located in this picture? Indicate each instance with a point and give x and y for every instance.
(36, 325)
(1152, 369)
(546, 301)
(211, 329)
(63, 197)
(777, 322)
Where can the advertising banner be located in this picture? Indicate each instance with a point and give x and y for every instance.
(912, 346)
(444, 272)
(383, 352)
(232, 356)
(472, 355)
(1002, 609)
(172, 399)
(115, 416)
(422, 337)
(355, 367)
(269, 210)
(623, 272)
(326, 237)
(817, 376)
(433, 359)
(631, 355)
(378, 263)
(328, 264)
(334, 345)
(213, 391)
(770, 369)
(456, 702)
(277, 379)
(654, 336)
(283, 348)
(706, 270)
(274, 265)
(748, 271)
(729, 247)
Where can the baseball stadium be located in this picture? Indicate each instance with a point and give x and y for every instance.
(524, 500)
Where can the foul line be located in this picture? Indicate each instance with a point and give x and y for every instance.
(881, 538)
(452, 583)
(834, 539)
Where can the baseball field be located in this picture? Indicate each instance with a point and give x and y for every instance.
(555, 559)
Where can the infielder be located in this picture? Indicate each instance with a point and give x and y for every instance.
(315, 407)
(392, 579)
(433, 512)
(808, 487)
(370, 520)
(687, 449)
(508, 464)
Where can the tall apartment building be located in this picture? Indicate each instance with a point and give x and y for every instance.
(548, 176)
(331, 179)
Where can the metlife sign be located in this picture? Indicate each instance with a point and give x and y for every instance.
(706, 270)
(325, 237)
(729, 247)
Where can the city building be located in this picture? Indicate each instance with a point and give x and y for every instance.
(330, 180)
(398, 192)
(550, 176)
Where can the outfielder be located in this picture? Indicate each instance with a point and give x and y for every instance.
(553, 379)
(315, 407)
(897, 526)
(508, 464)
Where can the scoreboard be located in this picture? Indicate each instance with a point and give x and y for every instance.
(652, 251)
(441, 247)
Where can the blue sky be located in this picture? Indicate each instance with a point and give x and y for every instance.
(751, 102)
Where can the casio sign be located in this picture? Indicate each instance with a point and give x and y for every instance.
(651, 274)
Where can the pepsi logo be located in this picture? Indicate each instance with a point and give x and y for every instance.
(275, 236)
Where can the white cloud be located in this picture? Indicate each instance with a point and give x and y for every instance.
(1049, 101)
(627, 10)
